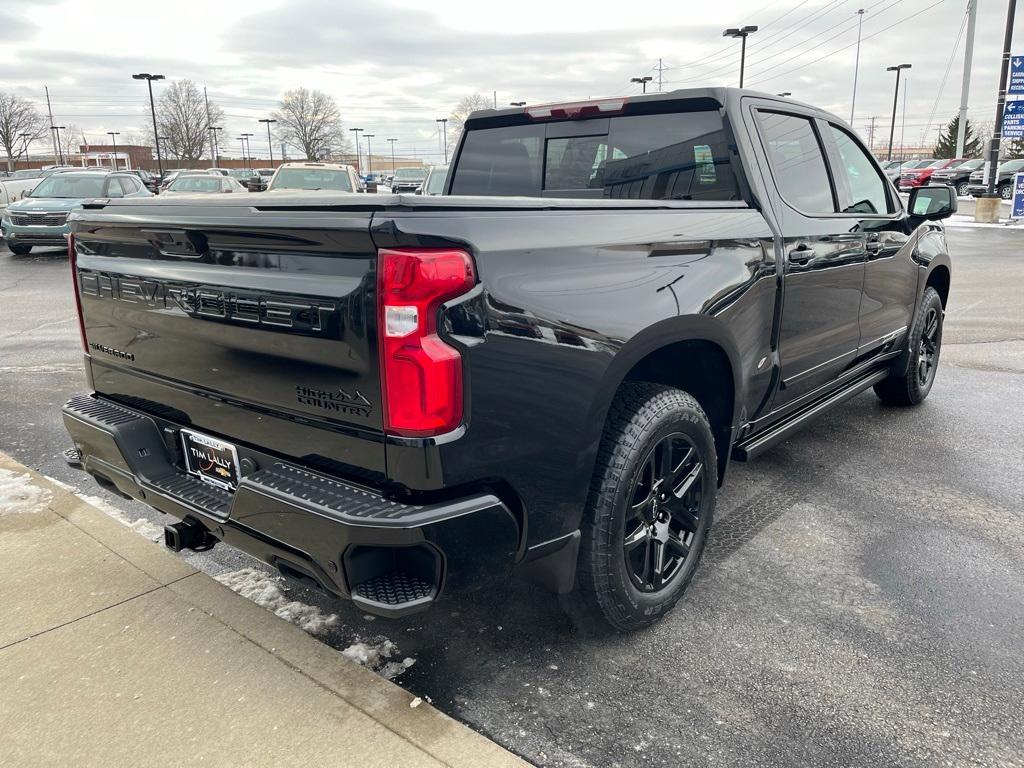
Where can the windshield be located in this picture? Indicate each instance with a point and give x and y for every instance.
(970, 165)
(238, 173)
(195, 184)
(435, 185)
(70, 185)
(411, 174)
(1011, 166)
(29, 174)
(312, 178)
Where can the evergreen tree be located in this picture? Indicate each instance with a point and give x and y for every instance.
(945, 149)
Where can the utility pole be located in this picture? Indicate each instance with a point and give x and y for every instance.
(247, 149)
(49, 110)
(871, 135)
(997, 135)
(856, 65)
(216, 144)
(495, 99)
(895, 102)
(965, 86)
(392, 155)
(209, 122)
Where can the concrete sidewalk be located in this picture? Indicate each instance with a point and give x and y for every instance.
(115, 652)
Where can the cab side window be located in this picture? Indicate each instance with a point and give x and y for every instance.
(798, 162)
(865, 187)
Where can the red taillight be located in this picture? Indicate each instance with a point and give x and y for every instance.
(576, 109)
(73, 261)
(421, 375)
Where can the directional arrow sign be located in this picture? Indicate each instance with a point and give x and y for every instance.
(1016, 85)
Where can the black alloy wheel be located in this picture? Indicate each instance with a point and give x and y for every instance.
(928, 349)
(664, 513)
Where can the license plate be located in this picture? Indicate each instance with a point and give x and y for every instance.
(211, 460)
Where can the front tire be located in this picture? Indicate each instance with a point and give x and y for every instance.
(650, 508)
(923, 347)
(961, 189)
(1006, 191)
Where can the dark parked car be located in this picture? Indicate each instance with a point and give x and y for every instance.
(148, 180)
(546, 371)
(1004, 180)
(958, 176)
(407, 179)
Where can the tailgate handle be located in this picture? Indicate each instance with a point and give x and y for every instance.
(184, 243)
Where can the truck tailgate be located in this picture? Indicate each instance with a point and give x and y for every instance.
(251, 325)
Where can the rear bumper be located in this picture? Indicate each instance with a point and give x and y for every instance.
(351, 541)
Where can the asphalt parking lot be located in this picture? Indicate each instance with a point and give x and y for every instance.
(862, 602)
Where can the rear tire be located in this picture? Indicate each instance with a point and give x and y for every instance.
(924, 344)
(649, 511)
(1006, 191)
(20, 249)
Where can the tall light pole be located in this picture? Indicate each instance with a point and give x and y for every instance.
(895, 102)
(369, 153)
(113, 137)
(60, 149)
(517, 103)
(216, 144)
(24, 138)
(741, 33)
(856, 63)
(152, 110)
(248, 149)
(965, 85)
(270, 143)
(356, 131)
(642, 80)
(444, 127)
(392, 141)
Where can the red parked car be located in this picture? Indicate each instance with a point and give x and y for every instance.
(921, 176)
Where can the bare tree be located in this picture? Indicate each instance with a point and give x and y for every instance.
(18, 116)
(182, 120)
(457, 119)
(311, 121)
(71, 141)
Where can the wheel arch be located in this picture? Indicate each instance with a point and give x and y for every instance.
(938, 278)
(655, 355)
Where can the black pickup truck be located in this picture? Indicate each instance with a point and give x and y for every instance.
(547, 370)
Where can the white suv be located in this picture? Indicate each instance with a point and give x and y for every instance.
(315, 176)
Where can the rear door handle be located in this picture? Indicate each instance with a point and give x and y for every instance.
(801, 254)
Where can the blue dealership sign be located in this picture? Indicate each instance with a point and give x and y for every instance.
(1018, 197)
(1016, 76)
(1013, 120)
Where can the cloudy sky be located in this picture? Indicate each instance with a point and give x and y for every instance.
(395, 65)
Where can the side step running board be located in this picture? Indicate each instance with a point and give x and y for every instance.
(745, 450)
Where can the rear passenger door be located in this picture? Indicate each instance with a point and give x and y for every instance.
(823, 252)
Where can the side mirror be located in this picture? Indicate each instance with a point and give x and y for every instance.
(932, 203)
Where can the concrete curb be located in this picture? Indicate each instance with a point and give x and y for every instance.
(400, 731)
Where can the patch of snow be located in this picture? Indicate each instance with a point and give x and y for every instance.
(19, 495)
(150, 530)
(376, 656)
(266, 591)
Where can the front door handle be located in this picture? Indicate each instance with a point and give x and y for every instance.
(801, 254)
(874, 247)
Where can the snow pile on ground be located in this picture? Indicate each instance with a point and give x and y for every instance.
(376, 656)
(18, 495)
(150, 530)
(266, 591)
